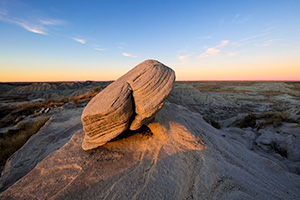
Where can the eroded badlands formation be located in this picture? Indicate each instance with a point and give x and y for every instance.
(177, 155)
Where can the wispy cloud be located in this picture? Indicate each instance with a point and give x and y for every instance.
(40, 27)
(211, 51)
(205, 37)
(121, 45)
(184, 58)
(238, 19)
(231, 54)
(129, 55)
(51, 21)
(256, 38)
(223, 43)
(29, 26)
(80, 40)
(222, 20)
(3, 12)
(251, 38)
(266, 43)
(235, 18)
(99, 49)
(29, 21)
(32, 28)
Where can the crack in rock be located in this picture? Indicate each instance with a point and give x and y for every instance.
(129, 102)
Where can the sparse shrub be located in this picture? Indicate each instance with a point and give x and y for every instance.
(279, 150)
(215, 124)
(83, 98)
(212, 122)
(5, 110)
(62, 100)
(276, 118)
(248, 121)
(96, 89)
(13, 112)
(14, 140)
(268, 118)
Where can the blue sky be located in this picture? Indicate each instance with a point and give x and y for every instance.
(43, 40)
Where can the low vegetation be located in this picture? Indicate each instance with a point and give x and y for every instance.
(212, 122)
(14, 139)
(20, 122)
(222, 86)
(248, 121)
(275, 118)
(9, 114)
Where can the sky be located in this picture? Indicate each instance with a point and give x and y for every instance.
(68, 40)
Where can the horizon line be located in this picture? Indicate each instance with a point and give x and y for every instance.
(180, 80)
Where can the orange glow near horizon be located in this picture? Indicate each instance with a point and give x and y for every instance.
(255, 72)
(63, 75)
(262, 71)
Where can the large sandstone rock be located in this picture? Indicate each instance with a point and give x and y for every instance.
(129, 102)
(183, 158)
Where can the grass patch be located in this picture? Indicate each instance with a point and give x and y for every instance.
(14, 140)
(85, 98)
(217, 88)
(267, 118)
(248, 121)
(8, 114)
(276, 118)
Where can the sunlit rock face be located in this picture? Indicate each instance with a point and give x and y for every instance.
(130, 102)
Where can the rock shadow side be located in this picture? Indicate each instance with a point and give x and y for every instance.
(129, 102)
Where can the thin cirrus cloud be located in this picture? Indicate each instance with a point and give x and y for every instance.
(266, 43)
(212, 51)
(121, 45)
(29, 22)
(51, 21)
(129, 55)
(184, 58)
(223, 43)
(32, 28)
(3, 13)
(250, 39)
(208, 52)
(255, 39)
(40, 26)
(238, 19)
(205, 37)
(80, 40)
(99, 49)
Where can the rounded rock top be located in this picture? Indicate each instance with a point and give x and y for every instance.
(129, 102)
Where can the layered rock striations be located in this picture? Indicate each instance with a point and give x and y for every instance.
(129, 102)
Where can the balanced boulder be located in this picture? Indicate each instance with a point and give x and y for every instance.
(129, 102)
